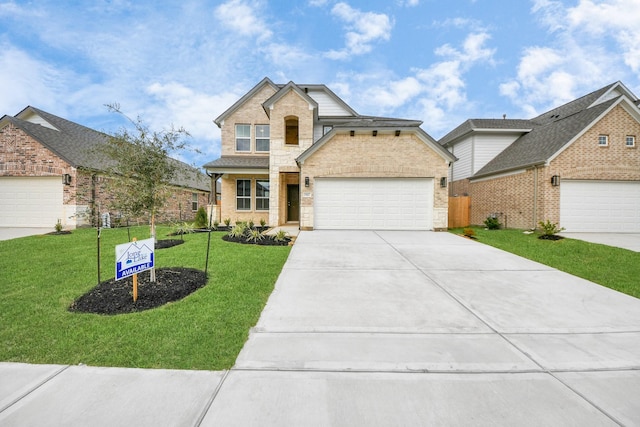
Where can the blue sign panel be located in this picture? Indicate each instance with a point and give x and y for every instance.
(133, 258)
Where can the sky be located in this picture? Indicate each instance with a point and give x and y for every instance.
(182, 63)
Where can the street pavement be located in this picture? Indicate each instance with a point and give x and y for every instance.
(376, 329)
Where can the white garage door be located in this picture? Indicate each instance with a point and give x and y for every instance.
(30, 202)
(373, 203)
(600, 206)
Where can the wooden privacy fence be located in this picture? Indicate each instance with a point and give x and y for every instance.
(459, 211)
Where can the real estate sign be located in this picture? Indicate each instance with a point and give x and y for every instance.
(134, 257)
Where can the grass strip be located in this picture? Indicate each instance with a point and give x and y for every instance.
(615, 268)
(40, 276)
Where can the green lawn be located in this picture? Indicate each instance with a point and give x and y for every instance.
(614, 268)
(40, 276)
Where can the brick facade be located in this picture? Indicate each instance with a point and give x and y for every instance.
(525, 198)
(383, 156)
(23, 156)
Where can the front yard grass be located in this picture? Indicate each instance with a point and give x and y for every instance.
(40, 276)
(612, 267)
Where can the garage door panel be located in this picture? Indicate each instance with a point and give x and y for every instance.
(30, 201)
(374, 203)
(600, 206)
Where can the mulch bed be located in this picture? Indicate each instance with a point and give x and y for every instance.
(116, 296)
(550, 237)
(59, 233)
(168, 243)
(265, 241)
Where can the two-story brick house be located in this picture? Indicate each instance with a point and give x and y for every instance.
(577, 165)
(298, 154)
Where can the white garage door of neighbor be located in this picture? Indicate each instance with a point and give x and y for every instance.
(30, 202)
(600, 206)
(373, 203)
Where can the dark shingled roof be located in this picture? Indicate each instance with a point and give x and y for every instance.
(476, 124)
(239, 162)
(378, 122)
(80, 147)
(540, 144)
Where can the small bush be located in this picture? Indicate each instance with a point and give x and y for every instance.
(250, 223)
(492, 223)
(238, 230)
(254, 236)
(468, 232)
(549, 228)
(201, 218)
(58, 227)
(227, 221)
(280, 236)
(215, 224)
(262, 222)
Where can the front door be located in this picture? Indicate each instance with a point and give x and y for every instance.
(293, 203)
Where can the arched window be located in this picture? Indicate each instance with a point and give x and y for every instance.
(291, 130)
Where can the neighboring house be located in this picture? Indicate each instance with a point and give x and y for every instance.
(51, 170)
(577, 165)
(298, 154)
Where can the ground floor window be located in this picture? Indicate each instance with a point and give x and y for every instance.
(262, 195)
(194, 201)
(243, 194)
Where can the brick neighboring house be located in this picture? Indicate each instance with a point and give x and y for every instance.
(298, 154)
(49, 172)
(577, 165)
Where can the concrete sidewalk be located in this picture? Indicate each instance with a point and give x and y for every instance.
(377, 329)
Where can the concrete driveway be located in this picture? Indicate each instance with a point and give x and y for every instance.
(630, 241)
(382, 328)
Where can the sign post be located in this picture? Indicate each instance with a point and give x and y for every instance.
(133, 258)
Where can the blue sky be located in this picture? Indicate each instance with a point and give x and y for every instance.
(185, 62)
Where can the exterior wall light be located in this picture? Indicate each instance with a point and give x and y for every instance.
(351, 133)
(443, 182)
(66, 179)
(555, 180)
(374, 133)
(306, 181)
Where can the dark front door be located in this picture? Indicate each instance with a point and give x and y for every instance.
(293, 203)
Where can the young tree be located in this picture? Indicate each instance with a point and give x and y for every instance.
(142, 169)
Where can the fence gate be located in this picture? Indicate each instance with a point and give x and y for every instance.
(459, 211)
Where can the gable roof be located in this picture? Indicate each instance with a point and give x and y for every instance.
(291, 86)
(375, 123)
(479, 125)
(537, 146)
(264, 82)
(79, 145)
(544, 136)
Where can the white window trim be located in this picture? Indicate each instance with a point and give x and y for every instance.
(633, 141)
(606, 137)
(243, 197)
(261, 198)
(268, 139)
(243, 138)
(196, 201)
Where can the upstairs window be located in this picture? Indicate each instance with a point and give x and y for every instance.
(243, 195)
(262, 138)
(603, 140)
(291, 130)
(243, 137)
(630, 141)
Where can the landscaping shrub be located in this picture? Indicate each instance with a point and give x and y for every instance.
(492, 223)
(201, 218)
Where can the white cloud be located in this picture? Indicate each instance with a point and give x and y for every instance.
(363, 29)
(592, 41)
(243, 18)
(32, 81)
(409, 3)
